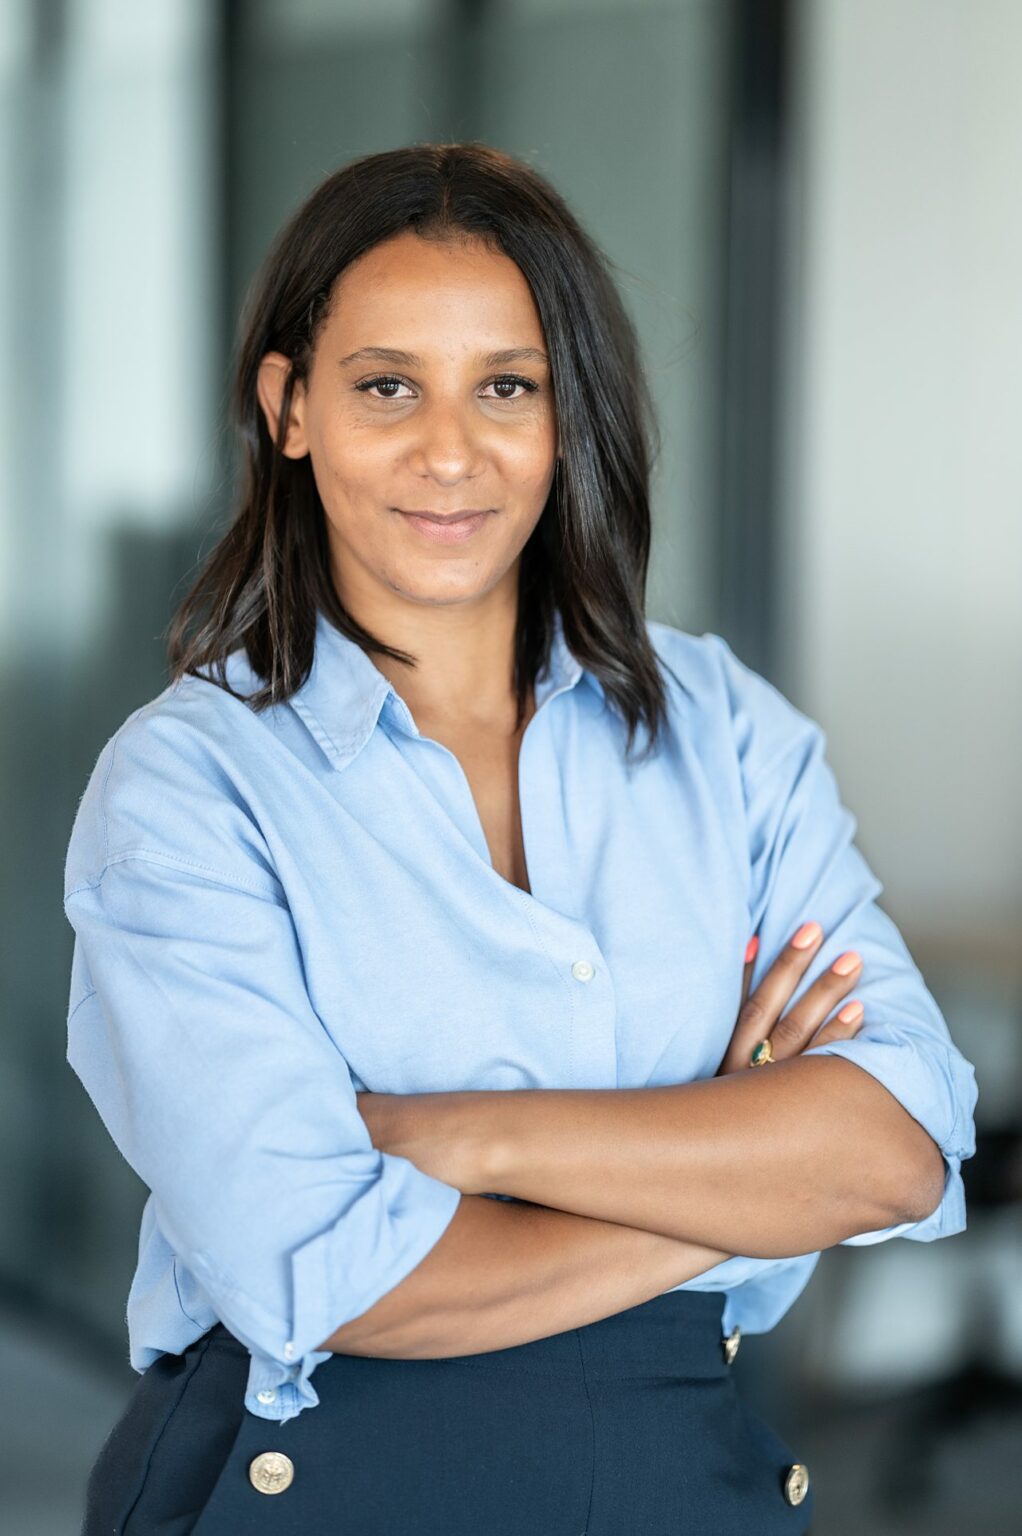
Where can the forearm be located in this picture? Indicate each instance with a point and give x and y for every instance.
(503, 1274)
(772, 1162)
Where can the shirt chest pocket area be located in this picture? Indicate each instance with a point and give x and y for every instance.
(438, 1012)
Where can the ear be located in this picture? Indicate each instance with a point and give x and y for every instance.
(272, 377)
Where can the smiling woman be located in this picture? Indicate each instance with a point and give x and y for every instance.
(376, 910)
(434, 337)
(447, 457)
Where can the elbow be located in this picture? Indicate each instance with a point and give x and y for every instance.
(924, 1190)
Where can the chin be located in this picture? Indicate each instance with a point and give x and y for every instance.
(447, 592)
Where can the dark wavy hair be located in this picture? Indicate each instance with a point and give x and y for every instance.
(260, 586)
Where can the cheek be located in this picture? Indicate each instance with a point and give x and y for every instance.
(355, 468)
(350, 469)
(527, 466)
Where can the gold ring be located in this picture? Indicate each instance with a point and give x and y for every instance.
(763, 1053)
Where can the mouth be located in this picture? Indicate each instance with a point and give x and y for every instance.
(445, 528)
(445, 517)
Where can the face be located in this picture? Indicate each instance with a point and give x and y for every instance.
(444, 427)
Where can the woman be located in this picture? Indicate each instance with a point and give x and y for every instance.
(410, 991)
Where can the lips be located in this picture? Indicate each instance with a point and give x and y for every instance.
(445, 517)
(455, 528)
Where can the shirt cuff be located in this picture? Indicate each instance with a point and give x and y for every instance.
(937, 1085)
(336, 1276)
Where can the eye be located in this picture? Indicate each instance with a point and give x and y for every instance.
(529, 385)
(390, 381)
(384, 379)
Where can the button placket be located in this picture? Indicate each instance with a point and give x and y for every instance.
(586, 989)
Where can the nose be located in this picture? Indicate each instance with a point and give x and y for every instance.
(447, 447)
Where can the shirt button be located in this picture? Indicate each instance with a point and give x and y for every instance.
(582, 971)
(289, 1350)
(267, 1395)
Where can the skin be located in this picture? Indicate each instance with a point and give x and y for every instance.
(447, 439)
(632, 1192)
(657, 1158)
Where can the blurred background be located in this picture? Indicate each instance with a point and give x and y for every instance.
(813, 210)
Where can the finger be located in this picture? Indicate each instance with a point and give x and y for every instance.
(730, 1062)
(793, 1032)
(762, 1008)
(845, 1023)
(751, 951)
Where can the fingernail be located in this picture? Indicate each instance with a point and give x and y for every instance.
(850, 1012)
(807, 934)
(752, 948)
(846, 963)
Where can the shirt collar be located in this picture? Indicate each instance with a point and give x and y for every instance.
(342, 698)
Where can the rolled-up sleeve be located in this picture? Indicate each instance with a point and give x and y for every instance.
(804, 864)
(191, 1028)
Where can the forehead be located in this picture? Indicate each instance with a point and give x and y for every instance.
(420, 295)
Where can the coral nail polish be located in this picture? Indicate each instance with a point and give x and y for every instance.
(807, 934)
(752, 948)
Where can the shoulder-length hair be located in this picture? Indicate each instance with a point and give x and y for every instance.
(260, 586)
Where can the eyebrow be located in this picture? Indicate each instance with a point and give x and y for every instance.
(410, 360)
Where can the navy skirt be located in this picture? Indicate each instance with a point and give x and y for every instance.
(631, 1424)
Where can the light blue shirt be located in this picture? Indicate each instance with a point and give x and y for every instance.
(272, 912)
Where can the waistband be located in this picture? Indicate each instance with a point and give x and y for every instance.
(678, 1333)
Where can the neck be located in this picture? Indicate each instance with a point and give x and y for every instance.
(464, 672)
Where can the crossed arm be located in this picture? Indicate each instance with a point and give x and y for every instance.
(770, 1163)
(628, 1193)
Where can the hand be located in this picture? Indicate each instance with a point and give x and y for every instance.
(759, 1015)
(441, 1133)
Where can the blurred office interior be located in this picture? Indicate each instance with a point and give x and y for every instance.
(812, 208)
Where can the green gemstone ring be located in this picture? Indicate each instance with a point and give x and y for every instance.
(763, 1053)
